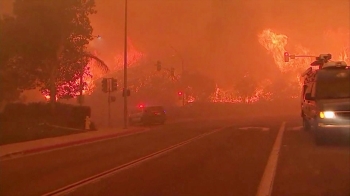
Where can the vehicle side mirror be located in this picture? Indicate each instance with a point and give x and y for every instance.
(309, 97)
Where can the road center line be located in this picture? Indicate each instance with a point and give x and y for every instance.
(266, 183)
(72, 187)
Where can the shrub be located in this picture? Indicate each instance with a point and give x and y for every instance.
(65, 115)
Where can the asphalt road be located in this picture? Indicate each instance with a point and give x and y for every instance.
(229, 159)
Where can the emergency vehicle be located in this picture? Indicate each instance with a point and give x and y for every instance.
(325, 98)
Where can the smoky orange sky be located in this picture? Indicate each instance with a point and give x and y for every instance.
(216, 37)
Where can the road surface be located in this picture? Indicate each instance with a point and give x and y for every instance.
(240, 156)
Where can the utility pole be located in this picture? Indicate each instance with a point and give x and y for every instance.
(109, 107)
(182, 73)
(125, 68)
(182, 60)
(107, 87)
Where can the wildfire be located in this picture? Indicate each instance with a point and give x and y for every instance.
(93, 72)
(230, 96)
(276, 44)
(339, 39)
(273, 42)
(133, 57)
(191, 99)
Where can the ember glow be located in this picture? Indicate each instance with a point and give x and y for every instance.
(230, 96)
(92, 72)
(275, 44)
(339, 43)
(133, 57)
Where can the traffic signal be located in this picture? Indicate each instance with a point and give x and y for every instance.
(105, 85)
(114, 84)
(172, 72)
(180, 94)
(286, 57)
(159, 66)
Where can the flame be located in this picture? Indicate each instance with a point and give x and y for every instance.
(133, 57)
(275, 44)
(93, 73)
(230, 96)
(344, 56)
(191, 99)
(339, 39)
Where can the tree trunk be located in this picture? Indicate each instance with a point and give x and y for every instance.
(53, 87)
(53, 77)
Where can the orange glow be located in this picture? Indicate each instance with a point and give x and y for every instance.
(190, 99)
(339, 43)
(47, 97)
(133, 57)
(276, 43)
(229, 96)
(93, 72)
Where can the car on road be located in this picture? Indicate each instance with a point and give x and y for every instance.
(325, 106)
(146, 115)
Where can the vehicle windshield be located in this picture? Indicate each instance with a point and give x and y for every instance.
(333, 84)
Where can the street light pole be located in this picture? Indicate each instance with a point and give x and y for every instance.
(182, 73)
(182, 60)
(182, 66)
(125, 68)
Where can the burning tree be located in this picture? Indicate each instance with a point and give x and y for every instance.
(73, 83)
(288, 81)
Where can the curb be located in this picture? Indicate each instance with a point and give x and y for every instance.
(70, 143)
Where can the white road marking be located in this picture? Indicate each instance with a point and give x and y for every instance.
(262, 128)
(299, 128)
(266, 183)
